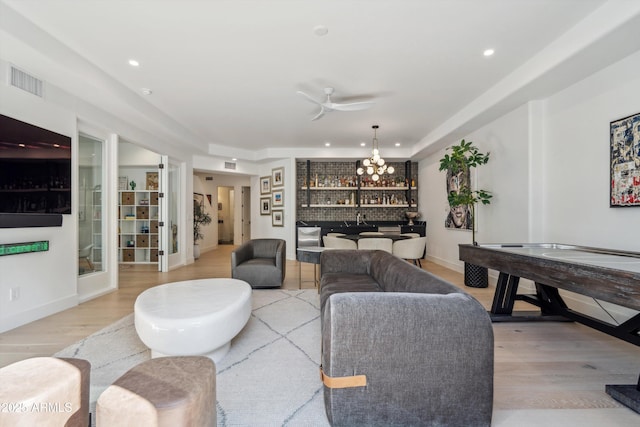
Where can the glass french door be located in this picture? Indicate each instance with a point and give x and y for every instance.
(163, 214)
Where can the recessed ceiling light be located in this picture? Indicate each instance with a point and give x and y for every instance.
(21, 145)
(397, 144)
(327, 144)
(363, 144)
(133, 63)
(56, 145)
(320, 30)
(234, 159)
(146, 91)
(488, 52)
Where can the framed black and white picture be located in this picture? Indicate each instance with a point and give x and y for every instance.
(265, 206)
(277, 218)
(277, 177)
(277, 198)
(265, 184)
(198, 200)
(625, 161)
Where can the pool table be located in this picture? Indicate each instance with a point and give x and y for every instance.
(604, 274)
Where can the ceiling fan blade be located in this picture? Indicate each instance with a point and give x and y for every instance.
(308, 97)
(320, 114)
(354, 106)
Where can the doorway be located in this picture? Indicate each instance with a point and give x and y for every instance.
(226, 215)
(148, 218)
(246, 214)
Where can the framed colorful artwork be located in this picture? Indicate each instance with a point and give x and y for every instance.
(625, 162)
(277, 198)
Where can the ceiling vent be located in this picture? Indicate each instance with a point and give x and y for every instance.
(208, 178)
(26, 82)
(230, 165)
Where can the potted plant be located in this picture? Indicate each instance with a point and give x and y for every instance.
(200, 218)
(463, 199)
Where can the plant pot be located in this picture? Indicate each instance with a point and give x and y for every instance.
(476, 276)
(196, 251)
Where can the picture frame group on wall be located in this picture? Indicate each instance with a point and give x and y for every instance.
(272, 196)
(624, 169)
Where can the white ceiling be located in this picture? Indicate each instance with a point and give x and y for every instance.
(224, 74)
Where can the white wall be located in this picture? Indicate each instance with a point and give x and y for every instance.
(49, 281)
(46, 280)
(568, 160)
(506, 176)
(577, 159)
(549, 172)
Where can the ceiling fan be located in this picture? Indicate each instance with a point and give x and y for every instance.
(328, 106)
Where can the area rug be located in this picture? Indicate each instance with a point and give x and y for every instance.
(270, 377)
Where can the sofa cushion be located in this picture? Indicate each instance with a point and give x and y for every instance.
(259, 262)
(427, 358)
(265, 248)
(397, 275)
(346, 282)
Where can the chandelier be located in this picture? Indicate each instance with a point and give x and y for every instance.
(375, 165)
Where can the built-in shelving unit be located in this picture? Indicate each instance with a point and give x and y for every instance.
(387, 197)
(333, 191)
(138, 226)
(358, 191)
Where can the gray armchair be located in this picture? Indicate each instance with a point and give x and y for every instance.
(260, 262)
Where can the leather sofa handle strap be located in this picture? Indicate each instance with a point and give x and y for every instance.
(343, 382)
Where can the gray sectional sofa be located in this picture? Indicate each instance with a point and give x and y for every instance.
(401, 346)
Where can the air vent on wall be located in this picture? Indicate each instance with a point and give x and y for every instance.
(230, 165)
(26, 82)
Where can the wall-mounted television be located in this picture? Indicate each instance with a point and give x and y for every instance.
(35, 170)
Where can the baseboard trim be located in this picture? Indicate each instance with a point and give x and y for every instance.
(28, 316)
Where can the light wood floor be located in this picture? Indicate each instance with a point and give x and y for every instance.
(538, 365)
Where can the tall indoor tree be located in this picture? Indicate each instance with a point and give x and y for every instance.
(458, 164)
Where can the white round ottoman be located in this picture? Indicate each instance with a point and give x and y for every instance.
(194, 317)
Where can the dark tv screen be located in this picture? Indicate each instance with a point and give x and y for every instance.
(35, 169)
